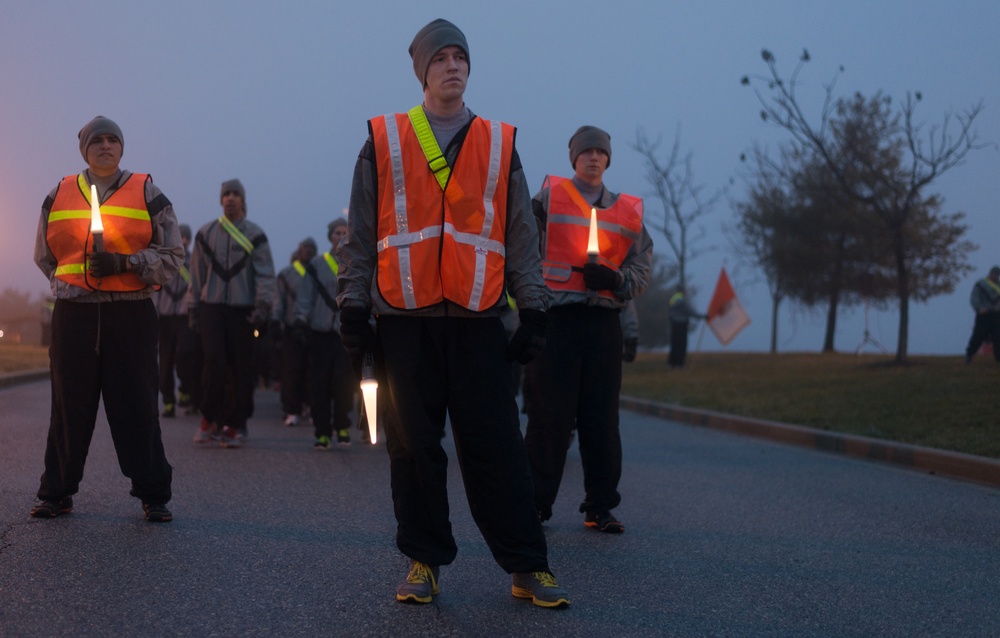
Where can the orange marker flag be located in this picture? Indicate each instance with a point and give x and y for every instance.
(726, 316)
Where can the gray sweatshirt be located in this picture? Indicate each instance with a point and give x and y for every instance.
(222, 272)
(311, 307)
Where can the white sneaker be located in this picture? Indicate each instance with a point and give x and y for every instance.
(291, 420)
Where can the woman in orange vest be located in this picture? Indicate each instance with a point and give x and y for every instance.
(104, 326)
(575, 382)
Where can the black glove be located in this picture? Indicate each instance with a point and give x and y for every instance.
(628, 355)
(193, 322)
(106, 264)
(277, 330)
(529, 339)
(599, 277)
(356, 332)
(297, 334)
(260, 320)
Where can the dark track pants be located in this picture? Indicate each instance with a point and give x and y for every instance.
(227, 377)
(575, 383)
(331, 378)
(456, 367)
(177, 354)
(987, 326)
(123, 374)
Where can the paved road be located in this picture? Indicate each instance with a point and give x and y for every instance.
(727, 536)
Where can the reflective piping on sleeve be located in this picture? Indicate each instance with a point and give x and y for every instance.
(399, 206)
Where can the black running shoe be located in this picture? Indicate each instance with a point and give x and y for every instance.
(157, 513)
(52, 508)
(603, 522)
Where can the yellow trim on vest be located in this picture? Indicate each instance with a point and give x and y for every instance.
(432, 151)
(70, 269)
(184, 273)
(120, 211)
(63, 215)
(235, 233)
(299, 268)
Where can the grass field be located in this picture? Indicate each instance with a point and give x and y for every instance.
(17, 357)
(935, 401)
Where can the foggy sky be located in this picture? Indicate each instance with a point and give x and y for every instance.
(277, 95)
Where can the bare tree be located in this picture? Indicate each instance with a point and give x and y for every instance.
(682, 201)
(880, 158)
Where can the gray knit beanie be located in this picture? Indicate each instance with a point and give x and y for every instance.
(334, 225)
(100, 125)
(588, 137)
(435, 36)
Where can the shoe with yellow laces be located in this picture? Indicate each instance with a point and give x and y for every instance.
(541, 588)
(420, 585)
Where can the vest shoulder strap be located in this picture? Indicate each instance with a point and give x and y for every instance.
(432, 150)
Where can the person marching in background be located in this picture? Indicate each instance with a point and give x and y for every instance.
(575, 382)
(985, 300)
(315, 325)
(176, 341)
(232, 291)
(292, 352)
(104, 322)
(432, 261)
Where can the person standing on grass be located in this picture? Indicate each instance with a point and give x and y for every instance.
(681, 313)
(575, 381)
(985, 300)
(232, 290)
(440, 226)
(104, 321)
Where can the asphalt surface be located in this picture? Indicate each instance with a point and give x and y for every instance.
(726, 536)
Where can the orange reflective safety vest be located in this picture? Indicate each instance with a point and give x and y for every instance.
(438, 242)
(127, 229)
(568, 230)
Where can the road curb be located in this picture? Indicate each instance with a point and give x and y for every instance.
(966, 467)
(26, 376)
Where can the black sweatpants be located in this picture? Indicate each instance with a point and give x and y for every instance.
(124, 374)
(294, 368)
(987, 326)
(331, 378)
(227, 377)
(455, 367)
(678, 344)
(575, 383)
(177, 354)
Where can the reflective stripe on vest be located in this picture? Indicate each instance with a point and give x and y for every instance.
(127, 230)
(436, 244)
(568, 229)
(299, 268)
